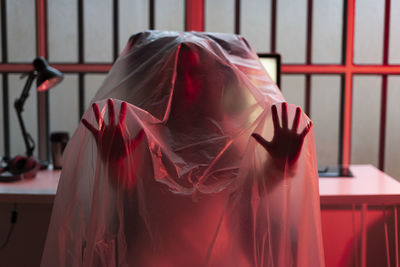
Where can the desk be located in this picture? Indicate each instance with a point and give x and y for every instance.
(34, 198)
(359, 217)
(369, 185)
(351, 211)
(41, 189)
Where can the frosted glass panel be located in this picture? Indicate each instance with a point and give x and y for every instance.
(255, 24)
(293, 89)
(62, 31)
(366, 118)
(220, 16)
(98, 32)
(325, 113)
(133, 17)
(169, 15)
(327, 31)
(291, 30)
(368, 36)
(392, 148)
(64, 105)
(92, 84)
(21, 33)
(394, 40)
(17, 145)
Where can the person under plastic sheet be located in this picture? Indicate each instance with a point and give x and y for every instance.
(171, 165)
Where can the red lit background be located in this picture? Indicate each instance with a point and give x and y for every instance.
(195, 19)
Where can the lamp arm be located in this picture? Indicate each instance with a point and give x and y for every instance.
(19, 102)
(19, 107)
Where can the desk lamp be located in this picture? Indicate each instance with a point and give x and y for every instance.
(46, 78)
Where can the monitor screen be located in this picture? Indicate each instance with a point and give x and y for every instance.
(272, 64)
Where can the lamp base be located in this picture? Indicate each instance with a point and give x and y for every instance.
(44, 164)
(19, 168)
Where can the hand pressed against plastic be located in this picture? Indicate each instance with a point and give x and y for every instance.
(110, 138)
(286, 143)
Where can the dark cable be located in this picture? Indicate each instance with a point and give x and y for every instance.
(14, 218)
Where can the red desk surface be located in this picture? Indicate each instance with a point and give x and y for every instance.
(369, 185)
(41, 189)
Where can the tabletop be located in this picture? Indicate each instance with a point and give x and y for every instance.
(41, 189)
(369, 185)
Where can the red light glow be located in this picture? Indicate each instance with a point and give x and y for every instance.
(48, 84)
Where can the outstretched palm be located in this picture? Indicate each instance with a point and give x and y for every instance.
(286, 143)
(110, 138)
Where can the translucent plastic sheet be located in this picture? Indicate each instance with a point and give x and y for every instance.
(167, 173)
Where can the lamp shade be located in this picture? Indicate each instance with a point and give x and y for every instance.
(47, 77)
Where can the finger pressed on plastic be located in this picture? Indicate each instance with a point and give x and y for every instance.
(284, 115)
(275, 117)
(90, 127)
(306, 129)
(296, 120)
(96, 112)
(262, 141)
(122, 114)
(111, 113)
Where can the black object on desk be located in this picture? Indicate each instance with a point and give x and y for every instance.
(334, 171)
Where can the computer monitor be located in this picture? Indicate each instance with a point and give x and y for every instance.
(272, 64)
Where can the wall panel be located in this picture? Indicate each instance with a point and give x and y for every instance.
(291, 30)
(98, 30)
(293, 89)
(368, 36)
(92, 85)
(62, 30)
(169, 15)
(21, 35)
(327, 32)
(365, 123)
(392, 155)
(325, 113)
(133, 17)
(64, 105)
(220, 16)
(255, 24)
(394, 40)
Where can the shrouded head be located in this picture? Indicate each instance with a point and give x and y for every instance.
(189, 74)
